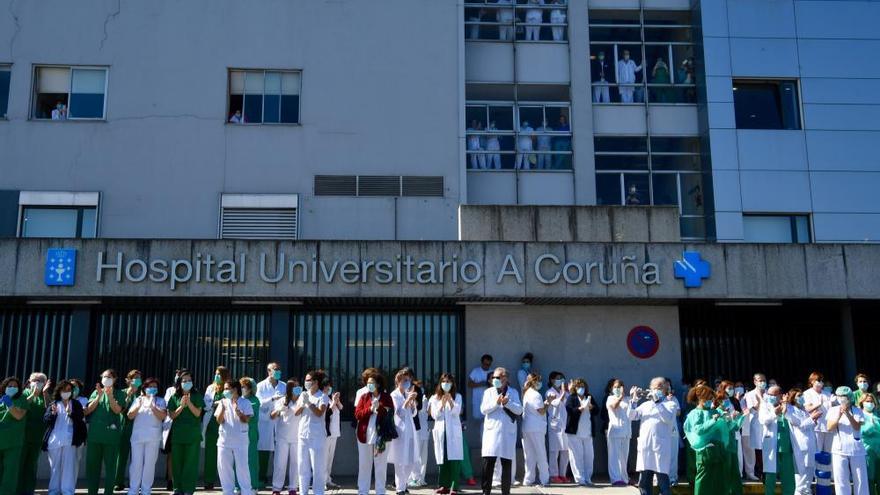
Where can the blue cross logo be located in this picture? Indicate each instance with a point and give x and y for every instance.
(692, 268)
(60, 267)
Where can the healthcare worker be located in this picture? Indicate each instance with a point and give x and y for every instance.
(268, 392)
(654, 446)
(753, 399)
(776, 447)
(65, 431)
(524, 147)
(36, 396)
(817, 398)
(147, 412)
(871, 440)
(13, 409)
(334, 432)
(185, 408)
(312, 448)
(619, 433)
(133, 381)
(557, 18)
(444, 407)
(675, 435)
(500, 407)
(803, 441)
(371, 408)
(626, 77)
(505, 17)
(478, 381)
(601, 93)
(848, 455)
(863, 386)
(543, 145)
(557, 440)
(579, 427)
(404, 450)
(77, 394)
(534, 432)
(210, 427)
(233, 414)
(166, 432)
(534, 18)
(493, 161)
(105, 413)
(284, 416)
(707, 433)
(417, 478)
(248, 385)
(475, 145)
(730, 411)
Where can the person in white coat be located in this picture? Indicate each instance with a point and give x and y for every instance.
(67, 430)
(268, 392)
(423, 433)
(333, 428)
(505, 16)
(557, 18)
(534, 18)
(753, 399)
(817, 399)
(232, 414)
(534, 432)
(848, 455)
(777, 446)
(478, 382)
(493, 161)
(371, 408)
(626, 77)
(579, 427)
(619, 433)
(654, 455)
(404, 450)
(525, 367)
(675, 434)
(475, 145)
(286, 462)
(524, 146)
(557, 440)
(312, 448)
(544, 146)
(500, 407)
(148, 413)
(444, 407)
(803, 441)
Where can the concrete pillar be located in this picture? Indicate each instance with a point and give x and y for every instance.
(847, 333)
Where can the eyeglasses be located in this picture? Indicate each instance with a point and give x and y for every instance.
(497, 377)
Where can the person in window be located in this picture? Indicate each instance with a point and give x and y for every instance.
(557, 18)
(524, 146)
(445, 408)
(505, 16)
(232, 415)
(474, 144)
(474, 26)
(237, 118)
(633, 197)
(311, 407)
(185, 407)
(660, 75)
(493, 160)
(601, 94)
(286, 438)
(65, 431)
(501, 407)
(59, 112)
(371, 408)
(105, 432)
(848, 455)
(685, 74)
(37, 397)
(147, 412)
(213, 395)
(404, 450)
(562, 161)
(626, 77)
(544, 145)
(13, 408)
(534, 17)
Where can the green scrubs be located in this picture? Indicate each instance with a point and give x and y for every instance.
(708, 437)
(186, 439)
(212, 433)
(12, 433)
(125, 442)
(467, 469)
(34, 427)
(102, 445)
(871, 440)
(784, 461)
(449, 471)
(733, 483)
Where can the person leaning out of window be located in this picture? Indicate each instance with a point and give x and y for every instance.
(65, 431)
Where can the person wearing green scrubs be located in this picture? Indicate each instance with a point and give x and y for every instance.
(213, 395)
(863, 387)
(104, 411)
(734, 420)
(13, 408)
(777, 451)
(871, 440)
(248, 386)
(35, 397)
(185, 407)
(707, 432)
(133, 381)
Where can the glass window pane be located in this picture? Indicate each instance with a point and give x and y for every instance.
(622, 17)
(608, 189)
(272, 112)
(615, 33)
(501, 117)
(766, 105)
(87, 94)
(53, 80)
(683, 64)
(621, 162)
(253, 108)
(291, 83)
(635, 187)
(693, 227)
(253, 82)
(474, 116)
(624, 144)
(236, 82)
(675, 34)
(290, 109)
(665, 189)
(555, 116)
(272, 83)
(802, 227)
(766, 228)
(4, 92)
(789, 102)
(675, 162)
(89, 223)
(89, 81)
(675, 145)
(531, 116)
(692, 202)
(49, 222)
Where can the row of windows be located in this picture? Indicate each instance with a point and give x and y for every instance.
(523, 20)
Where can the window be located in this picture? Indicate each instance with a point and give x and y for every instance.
(264, 97)
(70, 93)
(642, 57)
(4, 91)
(528, 136)
(776, 228)
(58, 214)
(519, 20)
(766, 104)
(258, 216)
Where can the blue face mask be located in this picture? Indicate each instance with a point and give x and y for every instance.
(707, 404)
(227, 394)
(772, 400)
(539, 386)
(371, 387)
(152, 391)
(11, 391)
(446, 386)
(75, 392)
(496, 382)
(137, 382)
(406, 384)
(526, 365)
(581, 390)
(276, 374)
(186, 386)
(217, 378)
(558, 383)
(727, 404)
(297, 390)
(658, 394)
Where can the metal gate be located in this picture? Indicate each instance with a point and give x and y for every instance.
(34, 340)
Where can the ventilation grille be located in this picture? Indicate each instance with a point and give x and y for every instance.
(258, 223)
(378, 185)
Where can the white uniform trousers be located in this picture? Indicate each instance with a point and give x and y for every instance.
(286, 464)
(618, 454)
(331, 453)
(748, 456)
(843, 467)
(419, 474)
(402, 473)
(312, 455)
(626, 93)
(366, 464)
(232, 464)
(63, 463)
(803, 484)
(601, 93)
(142, 469)
(673, 463)
(580, 451)
(535, 458)
(558, 463)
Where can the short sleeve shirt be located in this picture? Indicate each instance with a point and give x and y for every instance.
(105, 426)
(186, 427)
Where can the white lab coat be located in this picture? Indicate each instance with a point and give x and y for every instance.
(267, 395)
(756, 429)
(654, 445)
(499, 430)
(626, 71)
(812, 398)
(557, 417)
(404, 450)
(286, 462)
(447, 425)
(478, 374)
(768, 419)
(803, 441)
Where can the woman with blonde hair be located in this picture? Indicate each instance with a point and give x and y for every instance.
(534, 431)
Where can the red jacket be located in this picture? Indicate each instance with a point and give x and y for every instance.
(363, 411)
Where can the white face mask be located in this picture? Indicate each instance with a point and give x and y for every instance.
(107, 381)
(65, 395)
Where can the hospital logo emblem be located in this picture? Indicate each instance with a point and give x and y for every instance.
(60, 267)
(692, 268)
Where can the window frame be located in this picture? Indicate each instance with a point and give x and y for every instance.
(792, 218)
(777, 81)
(6, 67)
(60, 200)
(70, 69)
(227, 116)
(515, 23)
